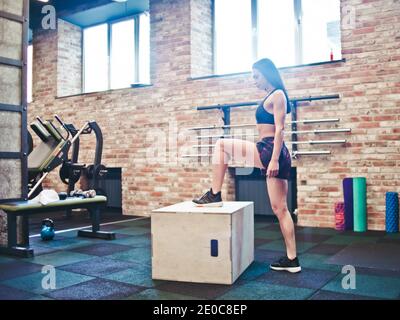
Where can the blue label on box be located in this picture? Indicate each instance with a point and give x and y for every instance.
(214, 248)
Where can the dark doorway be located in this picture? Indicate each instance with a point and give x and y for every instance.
(250, 186)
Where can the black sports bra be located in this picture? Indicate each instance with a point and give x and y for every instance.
(263, 116)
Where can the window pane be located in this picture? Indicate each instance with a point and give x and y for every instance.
(96, 58)
(321, 30)
(276, 33)
(122, 54)
(233, 45)
(144, 49)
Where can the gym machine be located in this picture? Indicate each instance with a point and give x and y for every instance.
(53, 151)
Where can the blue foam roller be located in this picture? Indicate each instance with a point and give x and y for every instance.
(348, 203)
(392, 212)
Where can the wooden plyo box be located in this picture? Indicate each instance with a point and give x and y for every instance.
(200, 244)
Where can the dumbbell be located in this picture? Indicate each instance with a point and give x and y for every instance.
(83, 194)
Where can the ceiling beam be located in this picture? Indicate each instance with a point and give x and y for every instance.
(66, 8)
(63, 8)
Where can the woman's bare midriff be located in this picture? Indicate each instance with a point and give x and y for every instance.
(265, 130)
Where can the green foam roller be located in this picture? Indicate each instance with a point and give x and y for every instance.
(360, 204)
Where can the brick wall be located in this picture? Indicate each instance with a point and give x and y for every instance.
(201, 38)
(141, 121)
(44, 71)
(69, 59)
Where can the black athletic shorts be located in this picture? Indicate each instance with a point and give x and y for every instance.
(265, 148)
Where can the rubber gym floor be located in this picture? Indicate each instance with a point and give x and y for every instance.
(121, 269)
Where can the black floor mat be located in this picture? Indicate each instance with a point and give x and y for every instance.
(76, 220)
(376, 255)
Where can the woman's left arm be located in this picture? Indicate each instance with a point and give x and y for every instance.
(279, 116)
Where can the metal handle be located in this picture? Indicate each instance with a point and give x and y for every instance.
(306, 121)
(227, 136)
(317, 131)
(40, 121)
(54, 127)
(79, 132)
(309, 153)
(317, 142)
(63, 125)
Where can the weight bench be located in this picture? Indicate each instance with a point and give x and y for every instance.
(27, 208)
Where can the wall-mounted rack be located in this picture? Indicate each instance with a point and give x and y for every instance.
(294, 132)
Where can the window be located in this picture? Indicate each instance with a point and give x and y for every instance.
(232, 36)
(95, 58)
(289, 32)
(321, 30)
(116, 54)
(29, 76)
(122, 54)
(276, 30)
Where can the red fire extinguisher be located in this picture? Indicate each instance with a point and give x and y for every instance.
(331, 55)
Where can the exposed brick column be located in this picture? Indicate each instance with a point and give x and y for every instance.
(44, 65)
(201, 37)
(169, 41)
(69, 59)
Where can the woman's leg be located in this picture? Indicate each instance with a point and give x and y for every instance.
(277, 191)
(235, 149)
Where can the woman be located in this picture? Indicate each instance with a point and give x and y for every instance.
(269, 154)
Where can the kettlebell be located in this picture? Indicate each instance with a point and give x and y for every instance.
(47, 232)
(62, 195)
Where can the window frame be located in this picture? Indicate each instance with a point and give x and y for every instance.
(136, 19)
(297, 6)
(29, 65)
